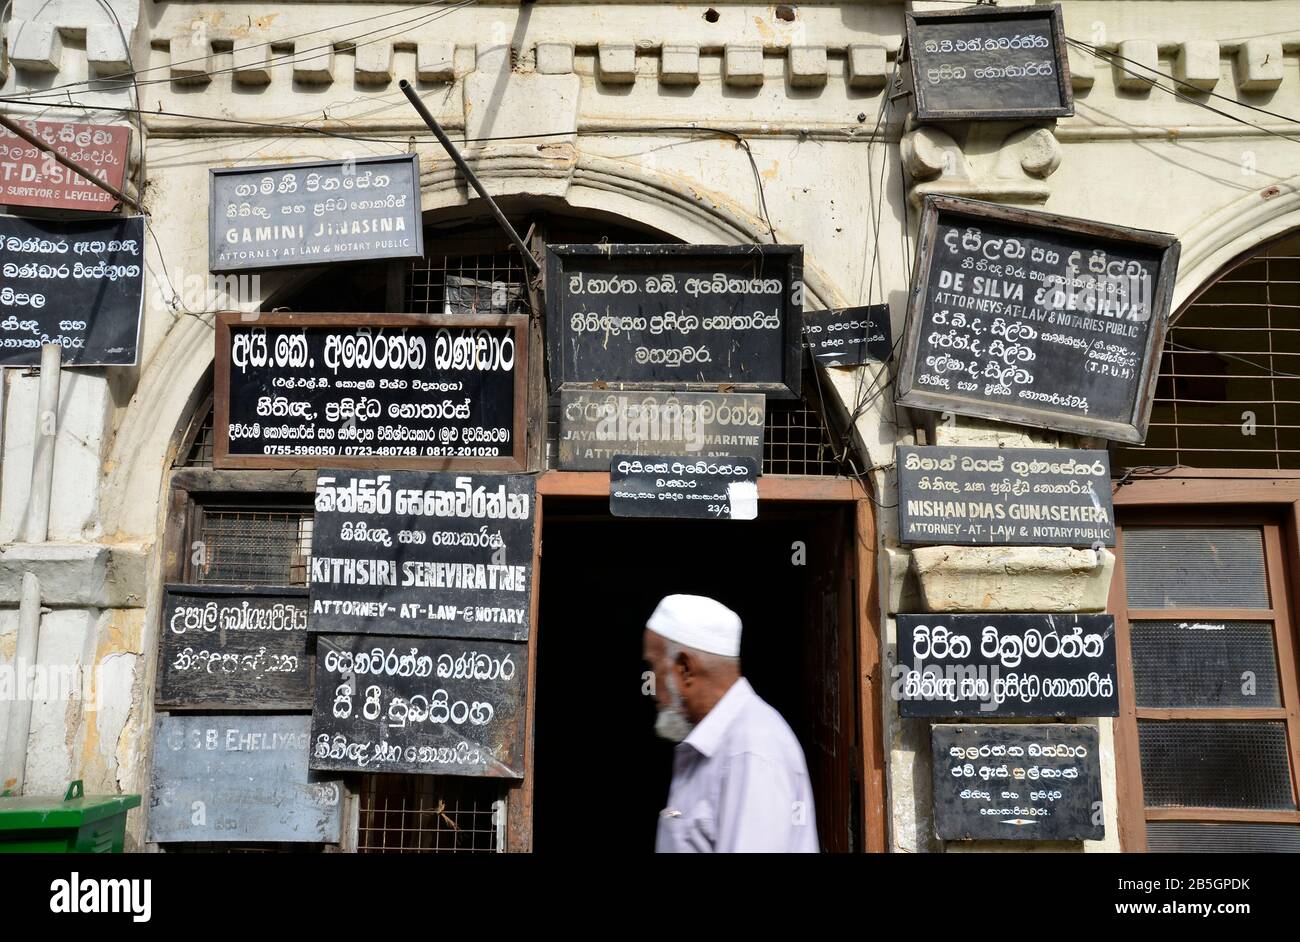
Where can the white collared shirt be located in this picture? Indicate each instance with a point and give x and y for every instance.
(739, 784)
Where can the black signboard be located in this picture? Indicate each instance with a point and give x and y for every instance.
(432, 554)
(386, 390)
(848, 336)
(692, 317)
(240, 778)
(990, 63)
(596, 425)
(426, 706)
(1006, 665)
(234, 646)
(1036, 319)
(77, 284)
(697, 488)
(1017, 783)
(1005, 496)
(289, 215)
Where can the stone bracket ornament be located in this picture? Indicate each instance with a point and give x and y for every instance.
(991, 163)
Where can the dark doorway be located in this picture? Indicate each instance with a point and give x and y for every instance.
(601, 772)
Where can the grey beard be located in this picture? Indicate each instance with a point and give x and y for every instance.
(672, 724)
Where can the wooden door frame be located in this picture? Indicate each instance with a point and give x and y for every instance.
(771, 488)
(1270, 494)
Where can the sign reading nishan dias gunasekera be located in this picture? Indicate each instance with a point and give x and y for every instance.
(1036, 319)
(990, 63)
(1004, 496)
(685, 317)
(432, 554)
(370, 390)
(288, 215)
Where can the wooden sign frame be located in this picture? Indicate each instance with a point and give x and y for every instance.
(790, 257)
(1051, 13)
(1134, 429)
(222, 459)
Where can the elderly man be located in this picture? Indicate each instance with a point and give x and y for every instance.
(739, 778)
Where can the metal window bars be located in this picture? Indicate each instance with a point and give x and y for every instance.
(1228, 393)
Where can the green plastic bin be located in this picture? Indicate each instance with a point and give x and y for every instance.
(75, 825)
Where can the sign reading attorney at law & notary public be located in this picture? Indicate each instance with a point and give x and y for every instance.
(239, 778)
(697, 488)
(595, 425)
(997, 496)
(397, 390)
(990, 63)
(30, 176)
(286, 215)
(1017, 783)
(1006, 665)
(1036, 319)
(76, 284)
(433, 554)
(422, 705)
(686, 317)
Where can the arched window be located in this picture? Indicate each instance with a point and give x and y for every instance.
(1229, 388)
(252, 532)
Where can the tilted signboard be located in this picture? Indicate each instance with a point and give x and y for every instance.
(1036, 319)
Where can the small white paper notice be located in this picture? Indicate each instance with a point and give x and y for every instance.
(743, 497)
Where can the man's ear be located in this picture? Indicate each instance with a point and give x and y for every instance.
(686, 667)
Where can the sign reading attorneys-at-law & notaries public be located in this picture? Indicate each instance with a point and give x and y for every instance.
(431, 554)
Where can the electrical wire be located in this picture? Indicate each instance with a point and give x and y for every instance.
(1187, 98)
(1111, 56)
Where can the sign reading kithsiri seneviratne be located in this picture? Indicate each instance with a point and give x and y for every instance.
(432, 554)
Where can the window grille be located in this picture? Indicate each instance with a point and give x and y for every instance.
(421, 814)
(196, 447)
(1228, 394)
(251, 545)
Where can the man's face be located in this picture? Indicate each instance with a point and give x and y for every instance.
(671, 723)
(654, 651)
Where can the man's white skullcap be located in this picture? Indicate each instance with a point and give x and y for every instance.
(697, 622)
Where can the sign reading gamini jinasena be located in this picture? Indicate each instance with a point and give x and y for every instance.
(995, 496)
(288, 215)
